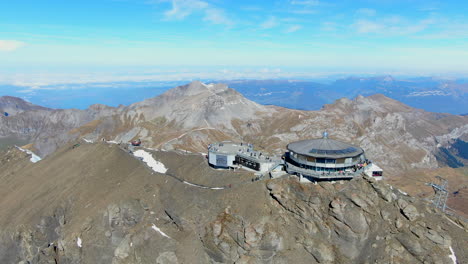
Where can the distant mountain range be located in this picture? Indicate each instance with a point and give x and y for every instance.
(10, 105)
(430, 94)
(191, 116)
(434, 95)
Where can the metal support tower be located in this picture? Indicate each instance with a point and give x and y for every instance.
(441, 193)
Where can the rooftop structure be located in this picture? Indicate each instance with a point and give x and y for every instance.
(324, 148)
(314, 159)
(228, 154)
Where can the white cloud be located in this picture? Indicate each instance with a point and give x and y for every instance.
(10, 45)
(303, 11)
(293, 28)
(217, 16)
(393, 25)
(271, 22)
(366, 12)
(251, 8)
(448, 30)
(366, 26)
(306, 2)
(329, 26)
(183, 8)
(304, 7)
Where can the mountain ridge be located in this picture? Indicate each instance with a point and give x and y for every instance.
(192, 116)
(11, 105)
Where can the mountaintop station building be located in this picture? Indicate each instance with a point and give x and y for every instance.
(228, 154)
(311, 160)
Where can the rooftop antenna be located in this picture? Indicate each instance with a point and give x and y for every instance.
(441, 193)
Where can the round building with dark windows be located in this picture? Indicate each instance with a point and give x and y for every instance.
(325, 158)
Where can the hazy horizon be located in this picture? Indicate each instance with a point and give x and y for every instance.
(133, 40)
(122, 51)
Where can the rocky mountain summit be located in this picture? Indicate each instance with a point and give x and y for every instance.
(97, 203)
(192, 116)
(13, 105)
(47, 128)
(198, 104)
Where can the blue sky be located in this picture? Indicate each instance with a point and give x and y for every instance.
(269, 37)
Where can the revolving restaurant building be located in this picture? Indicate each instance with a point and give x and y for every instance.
(324, 158)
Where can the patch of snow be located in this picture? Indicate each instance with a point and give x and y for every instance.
(191, 184)
(79, 242)
(203, 187)
(402, 192)
(155, 228)
(87, 140)
(452, 256)
(152, 163)
(112, 142)
(34, 158)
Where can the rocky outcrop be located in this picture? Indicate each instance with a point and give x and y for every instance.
(51, 129)
(354, 221)
(230, 238)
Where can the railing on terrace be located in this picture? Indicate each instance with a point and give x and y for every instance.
(325, 165)
(323, 174)
(256, 157)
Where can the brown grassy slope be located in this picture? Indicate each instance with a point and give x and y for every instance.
(88, 178)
